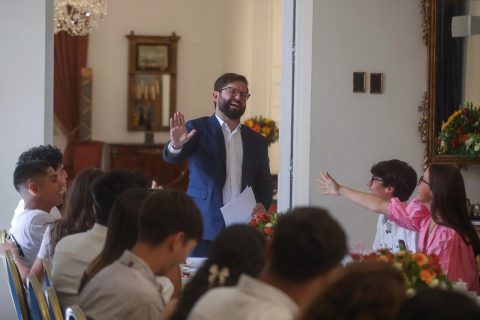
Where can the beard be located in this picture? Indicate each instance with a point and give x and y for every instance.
(229, 111)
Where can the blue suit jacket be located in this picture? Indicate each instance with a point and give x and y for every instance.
(206, 162)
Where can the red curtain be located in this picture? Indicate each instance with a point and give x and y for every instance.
(70, 56)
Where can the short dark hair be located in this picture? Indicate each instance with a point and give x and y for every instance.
(227, 78)
(166, 212)
(28, 170)
(397, 174)
(48, 153)
(307, 242)
(361, 290)
(107, 187)
(439, 304)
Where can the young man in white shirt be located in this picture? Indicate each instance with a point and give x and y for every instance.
(54, 157)
(41, 190)
(393, 179)
(307, 245)
(170, 225)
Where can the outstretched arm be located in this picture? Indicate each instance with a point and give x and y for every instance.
(329, 186)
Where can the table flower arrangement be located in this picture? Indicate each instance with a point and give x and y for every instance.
(420, 271)
(266, 127)
(460, 134)
(265, 222)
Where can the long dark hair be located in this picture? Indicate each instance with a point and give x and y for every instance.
(122, 231)
(240, 248)
(449, 203)
(77, 212)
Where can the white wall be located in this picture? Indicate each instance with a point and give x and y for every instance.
(349, 132)
(217, 36)
(26, 61)
(352, 131)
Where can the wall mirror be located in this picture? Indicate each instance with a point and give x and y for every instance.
(453, 72)
(152, 81)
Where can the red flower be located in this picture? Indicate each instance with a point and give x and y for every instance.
(268, 231)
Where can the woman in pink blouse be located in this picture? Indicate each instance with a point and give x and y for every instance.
(447, 232)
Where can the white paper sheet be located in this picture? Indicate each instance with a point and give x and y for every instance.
(240, 209)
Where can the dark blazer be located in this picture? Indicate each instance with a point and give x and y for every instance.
(206, 162)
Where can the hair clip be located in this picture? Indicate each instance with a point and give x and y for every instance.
(216, 273)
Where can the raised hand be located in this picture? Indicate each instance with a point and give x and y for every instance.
(327, 184)
(179, 134)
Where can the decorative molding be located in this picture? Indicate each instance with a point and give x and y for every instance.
(423, 123)
(426, 25)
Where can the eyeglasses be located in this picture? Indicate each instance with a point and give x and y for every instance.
(234, 91)
(422, 179)
(375, 178)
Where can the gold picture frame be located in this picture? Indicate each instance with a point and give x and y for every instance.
(152, 81)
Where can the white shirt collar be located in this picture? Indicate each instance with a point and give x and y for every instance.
(220, 120)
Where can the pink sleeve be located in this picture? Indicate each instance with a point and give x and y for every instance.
(457, 258)
(408, 216)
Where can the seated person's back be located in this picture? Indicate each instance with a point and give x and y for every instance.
(75, 252)
(127, 289)
(306, 245)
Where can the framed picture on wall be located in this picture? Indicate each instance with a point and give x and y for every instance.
(152, 57)
(152, 81)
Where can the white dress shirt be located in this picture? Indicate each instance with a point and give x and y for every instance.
(234, 159)
(126, 289)
(73, 254)
(388, 234)
(250, 299)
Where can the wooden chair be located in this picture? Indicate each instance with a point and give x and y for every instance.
(54, 308)
(17, 291)
(47, 271)
(36, 299)
(74, 313)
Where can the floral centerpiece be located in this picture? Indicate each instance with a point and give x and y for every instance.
(265, 222)
(420, 271)
(266, 127)
(460, 135)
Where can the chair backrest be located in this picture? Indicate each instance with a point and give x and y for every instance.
(53, 305)
(36, 299)
(86, 154)
(3, 236)
(47, 271)
(74, 313)
(17, 291)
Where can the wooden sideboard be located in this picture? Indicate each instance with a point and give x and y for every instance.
(148, 159)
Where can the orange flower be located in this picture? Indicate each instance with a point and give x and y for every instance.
(420, 258)
(426, 276)
(462, 138)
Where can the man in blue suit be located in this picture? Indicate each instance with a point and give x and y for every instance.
(223, 155)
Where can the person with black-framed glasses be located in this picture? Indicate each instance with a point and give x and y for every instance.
(224, 156)
(438, 213)
(393, 178)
